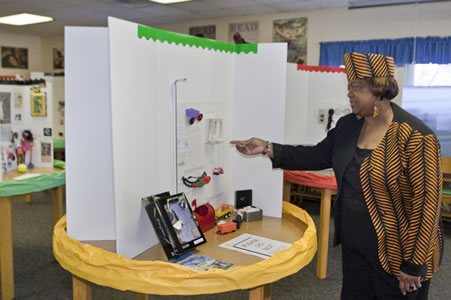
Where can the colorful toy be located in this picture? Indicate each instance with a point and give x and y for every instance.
(224, 211)
(22, 168)
(193, 115)
(218, 171)
(196, 182)
(205, 215)
(226, 227)
(18, 148)
(27, 145)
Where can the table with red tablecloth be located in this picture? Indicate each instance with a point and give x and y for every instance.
(325, 183)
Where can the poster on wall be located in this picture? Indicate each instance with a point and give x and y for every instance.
(243, 33)
(294, 33)
(16, 58)
(38, 105)
(18, 100)
(207, 31)
(5, 117)
(5, 108)
(18, 119)
(58, 58)
(46, 151)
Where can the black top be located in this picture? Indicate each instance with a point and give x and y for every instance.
(352, 189)
(356, 229)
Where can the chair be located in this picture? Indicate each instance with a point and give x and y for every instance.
(446, 195)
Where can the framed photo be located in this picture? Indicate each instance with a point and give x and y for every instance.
(58, 58)
(47, 131)
(174, 223)
(207, 31)
(16, 58)
(243, 33)
(294, 33)
(38, 105)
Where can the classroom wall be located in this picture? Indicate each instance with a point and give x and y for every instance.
(343, 24)
(40, 52)
(48, 43)
(323, 25)
(33, 43)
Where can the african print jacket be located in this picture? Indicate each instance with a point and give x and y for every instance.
(401, 182)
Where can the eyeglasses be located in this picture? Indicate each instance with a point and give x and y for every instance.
(355, 86)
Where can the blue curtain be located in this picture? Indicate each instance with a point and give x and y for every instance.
(426, 50)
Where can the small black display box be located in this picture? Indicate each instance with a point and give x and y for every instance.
(174, 223)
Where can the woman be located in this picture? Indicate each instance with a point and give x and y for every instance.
(387, 165)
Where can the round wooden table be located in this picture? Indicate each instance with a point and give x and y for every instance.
(10, 189)
(150, 273)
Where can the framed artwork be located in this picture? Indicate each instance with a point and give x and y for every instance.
(38, 105)
(243, 33)
(294, 33)
(16, 58)
(58, 58)
(207, 31)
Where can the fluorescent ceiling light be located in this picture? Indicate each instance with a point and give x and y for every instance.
(24, 19)
(169, 1)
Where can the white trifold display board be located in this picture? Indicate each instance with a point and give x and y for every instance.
(15, 117)
(120, 120)
(308, 94)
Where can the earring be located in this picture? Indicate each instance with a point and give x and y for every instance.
(376, 109)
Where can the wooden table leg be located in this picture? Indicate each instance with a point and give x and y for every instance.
(324, 223)
(6, 249)
(57, 199)
(140, 296)
(286, 191)
(260, 293)
(81, 289)
(28, 198)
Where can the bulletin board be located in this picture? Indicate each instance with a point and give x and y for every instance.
(16, 116)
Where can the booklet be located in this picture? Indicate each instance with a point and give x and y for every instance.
(200, 262)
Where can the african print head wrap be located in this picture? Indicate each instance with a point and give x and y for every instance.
(367, 65)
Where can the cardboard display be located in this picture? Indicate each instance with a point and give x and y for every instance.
(143, 127)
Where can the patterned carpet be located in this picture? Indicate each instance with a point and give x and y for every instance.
(39, 276)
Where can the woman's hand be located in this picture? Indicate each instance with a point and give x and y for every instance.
(251, 146)
(408, 283)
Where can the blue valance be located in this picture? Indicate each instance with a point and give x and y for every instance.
(429, 49)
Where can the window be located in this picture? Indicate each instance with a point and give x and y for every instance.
(427, 95)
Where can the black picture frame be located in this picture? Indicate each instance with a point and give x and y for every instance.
(174, 223)
(58, 58)
(14, 58)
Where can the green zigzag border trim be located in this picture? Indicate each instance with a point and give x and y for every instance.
(184, 39)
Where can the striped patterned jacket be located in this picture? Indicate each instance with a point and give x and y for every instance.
(401, 182)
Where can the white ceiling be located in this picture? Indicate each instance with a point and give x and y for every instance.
(95, 12)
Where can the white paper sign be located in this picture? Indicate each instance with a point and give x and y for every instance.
(255, 245)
